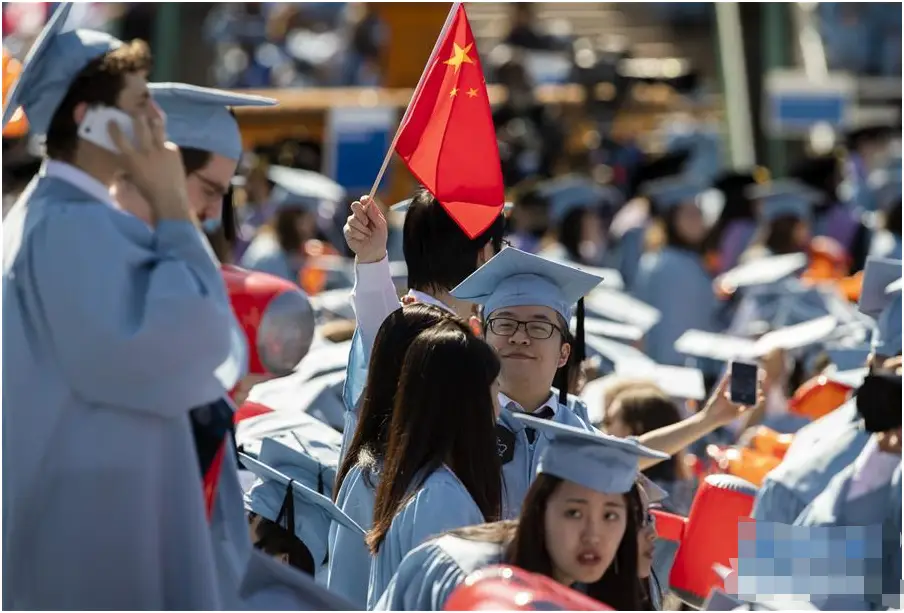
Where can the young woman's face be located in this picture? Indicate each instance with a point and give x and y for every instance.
(583, 531)
(646, 538)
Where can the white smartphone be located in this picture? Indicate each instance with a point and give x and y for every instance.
(95, 126)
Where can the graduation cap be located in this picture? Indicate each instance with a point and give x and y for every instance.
(609, 354)
(670, 192)
(619, 306)
(600, 462)
(675, 381)
(310, 450)
(878, 274)
(785, 197)
(887, 338)
(54, 61)
(720, 347)
(336, 302)
(199, 117)
(764, 271)
(653, 493)
(608, 329)
(611, 277)
(849, 358)
(517, 278)
(572, 192)
(280, 496)
(299, 405)
(303, 189)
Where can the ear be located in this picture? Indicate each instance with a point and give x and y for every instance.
(564, 354)
(78, 113)
(476, 326)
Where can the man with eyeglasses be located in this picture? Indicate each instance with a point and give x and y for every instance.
(527, 301)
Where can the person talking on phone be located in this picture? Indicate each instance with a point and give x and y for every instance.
(113, 332)
(200, 122)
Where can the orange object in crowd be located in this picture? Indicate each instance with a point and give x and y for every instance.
(817, 397)
(312, 277)
(850, 286)
(771, 443)
(829, 261)
(748, 464)
(18, 125)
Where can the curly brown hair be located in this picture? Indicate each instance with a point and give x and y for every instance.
(100, 82)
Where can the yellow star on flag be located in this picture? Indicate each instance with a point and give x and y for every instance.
(459, 56)
(454, 92)
(472, 92)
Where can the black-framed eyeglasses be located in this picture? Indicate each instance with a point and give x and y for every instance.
(537, 330)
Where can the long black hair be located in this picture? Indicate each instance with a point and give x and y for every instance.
(444, 414)
(398, 331)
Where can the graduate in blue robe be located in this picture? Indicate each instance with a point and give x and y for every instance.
(103, 489)
(602, 463)
(866, 493)
(519, 291)
(440, 470)
(295, 201)
(833, 442)
(674, 279)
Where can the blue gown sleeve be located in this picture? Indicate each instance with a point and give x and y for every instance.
(776, 503)
(146, 334)
(425, 580)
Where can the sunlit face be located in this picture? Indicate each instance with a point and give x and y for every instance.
(207, 186)
(583, 530)
(689, 223)
(646, 539)
(528, 362)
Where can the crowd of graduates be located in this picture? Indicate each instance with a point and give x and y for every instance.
(226, 389)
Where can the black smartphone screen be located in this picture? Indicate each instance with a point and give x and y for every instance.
(743, 383)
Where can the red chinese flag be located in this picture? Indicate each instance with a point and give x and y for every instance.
(448, 140)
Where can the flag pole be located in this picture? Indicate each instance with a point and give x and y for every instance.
(395, 138)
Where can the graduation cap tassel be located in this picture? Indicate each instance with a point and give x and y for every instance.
(287, 511)
(578, 353)
(230, 228)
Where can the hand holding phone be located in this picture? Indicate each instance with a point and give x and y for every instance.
(94, 127)
(744, 377)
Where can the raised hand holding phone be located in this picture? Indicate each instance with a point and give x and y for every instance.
(153, 165)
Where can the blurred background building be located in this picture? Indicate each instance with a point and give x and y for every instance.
(580, 87)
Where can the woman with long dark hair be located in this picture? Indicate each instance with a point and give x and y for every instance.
(578, 525)
(359, 470)
(440, 471)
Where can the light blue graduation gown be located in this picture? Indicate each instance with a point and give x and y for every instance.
(628, 253)
(791, 486)
(880, 507)
(429, 574)
(518, 473)
(113, 333)
(675, 282)
(442, 504)
(348, 573)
